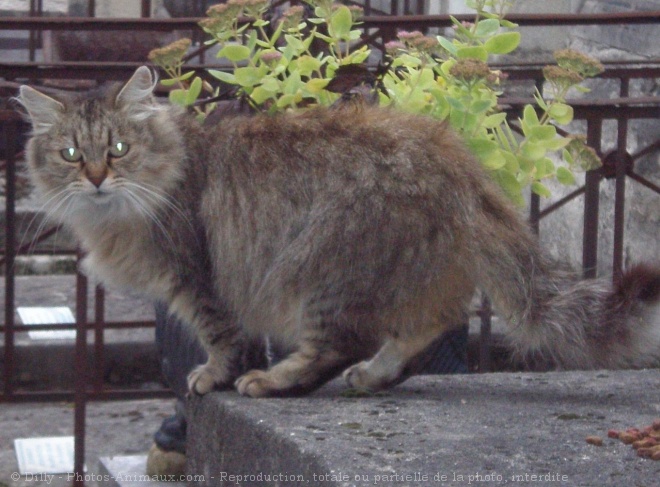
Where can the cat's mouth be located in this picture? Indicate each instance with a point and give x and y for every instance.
(100, 197)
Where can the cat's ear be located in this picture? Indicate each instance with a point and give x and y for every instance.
(43, 110)
(138, 89)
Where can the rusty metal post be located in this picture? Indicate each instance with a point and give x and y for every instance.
(145, 10)
(621, 170)
(80, 393)
(99, 346)
(9, 131)
(591, 203)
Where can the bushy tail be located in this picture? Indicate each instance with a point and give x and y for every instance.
(578, 324)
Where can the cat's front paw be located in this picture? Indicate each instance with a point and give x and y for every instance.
(256, 383)
(360, 377)
(206, 378)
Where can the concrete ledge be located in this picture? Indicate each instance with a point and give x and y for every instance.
(442, 430)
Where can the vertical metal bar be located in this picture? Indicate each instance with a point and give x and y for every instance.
(9, 131)
(620, 187)
(146, 9)
(534, 212)
(80, 394)
(99, 346)
(591, 204)
(91, 8)
(32, 40)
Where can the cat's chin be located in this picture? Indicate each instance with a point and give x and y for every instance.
(102, 198)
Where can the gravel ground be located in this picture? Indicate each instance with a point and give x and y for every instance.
(113, 428)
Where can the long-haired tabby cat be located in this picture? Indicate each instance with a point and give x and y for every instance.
(356, 237)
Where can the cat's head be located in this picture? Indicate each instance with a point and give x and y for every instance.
(111, 152)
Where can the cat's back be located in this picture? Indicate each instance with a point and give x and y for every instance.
(365, 145)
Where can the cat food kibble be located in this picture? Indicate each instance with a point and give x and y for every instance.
(645, 441)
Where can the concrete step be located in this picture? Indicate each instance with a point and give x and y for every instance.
(490, 429)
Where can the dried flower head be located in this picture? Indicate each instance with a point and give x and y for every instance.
(584, 65)
(406, 36)
(394, 47)
(270, 56)
(170, 55)
(357, 12)
(293, 16)
(470, 70)
(583, 156)
(425, 43)
(561, 78)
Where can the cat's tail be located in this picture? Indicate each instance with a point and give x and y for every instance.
(578, 324)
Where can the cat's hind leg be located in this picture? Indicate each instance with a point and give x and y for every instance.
(314, 363)
(398, 359)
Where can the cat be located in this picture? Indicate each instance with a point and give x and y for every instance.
(355, 236)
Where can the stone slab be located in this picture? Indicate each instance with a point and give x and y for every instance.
(491, 429)
(129, 471)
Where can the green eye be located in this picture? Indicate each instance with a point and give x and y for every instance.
(71, 154)
(118, 149)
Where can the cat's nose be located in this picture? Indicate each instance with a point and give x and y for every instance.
(96, 176)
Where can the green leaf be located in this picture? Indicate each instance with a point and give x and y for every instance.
(532, 151)
(510, 185)
(540, 189)
(249, 76)
(260, 95)
(270, 84)
(448, 45)
(186, 76)
(482, 148)
(494, 160)
(341, 22)
(316, 85)
(480, 106)
(530, 118)
(568, 157)
(194, 91)
(543, 132)
(234, 52)
(486, 28)
(292, 84)
(502, 43)
(565, 176)
(306, 65)
(223, 76)
(294, 42)
(544, 168)
(178, 97)
(472, 52)
(561, 113)
(169, 82)
(495, 120)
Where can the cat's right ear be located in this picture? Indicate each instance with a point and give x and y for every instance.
(43, 110)
(139, 88)
(136, 96)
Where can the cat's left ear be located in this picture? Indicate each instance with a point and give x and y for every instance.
(138, 89)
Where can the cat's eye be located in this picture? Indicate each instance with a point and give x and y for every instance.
(71, 154)
(118, 149)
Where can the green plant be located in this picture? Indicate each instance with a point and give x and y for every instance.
(289, 64)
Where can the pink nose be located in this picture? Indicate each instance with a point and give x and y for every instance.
(96, 180)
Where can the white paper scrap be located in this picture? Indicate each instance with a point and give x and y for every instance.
(60, 315)
(44, 455)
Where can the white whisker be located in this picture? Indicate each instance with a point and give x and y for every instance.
(48, 209)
